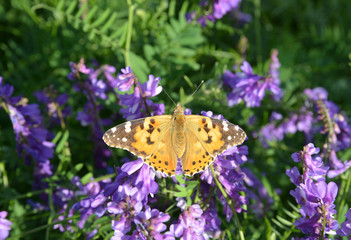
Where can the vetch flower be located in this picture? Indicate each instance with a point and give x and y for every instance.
(211, 12)
(138, 103)
(249, 87)
(222, 7)
(125, 80)
(33, 140)
(151, 220)
(191, 224)
(313, 194)
(126, 198)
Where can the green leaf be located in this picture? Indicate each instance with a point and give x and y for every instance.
(57, 137)
(91, 14)
(109, 23)
(71, 7)
(86, 178)
(102, 18)
(62, 142)
(180, 179)
(284, 221)
(81, 10)
(139, 66)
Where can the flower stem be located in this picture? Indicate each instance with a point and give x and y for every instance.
(129, 33)
(230, 203)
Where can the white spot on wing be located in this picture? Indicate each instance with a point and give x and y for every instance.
(225, 126)
(113, 130)
(127, 126)
(236, 128)
(229, 138)
(124, 139)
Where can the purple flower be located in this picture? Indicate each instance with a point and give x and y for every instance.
(345, 229)
(274, 73)
(313, 165)
(32, 139)
(334, 123)
(313, 194)
(127, 198)
(215, 11)
(54, 104)
(5, 225)
(337, 167)
(277, 128)
(249, 87)
(152, 221)
(126, 79)
(222, 7)
(212, 222)
(191, 224)
(315, 94)
(137, 103)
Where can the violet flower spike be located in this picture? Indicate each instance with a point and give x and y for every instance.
(249, 87)
(313, 194)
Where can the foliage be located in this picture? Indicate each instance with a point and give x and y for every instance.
(65, 81)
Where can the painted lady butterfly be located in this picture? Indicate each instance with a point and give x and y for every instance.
(160, 140)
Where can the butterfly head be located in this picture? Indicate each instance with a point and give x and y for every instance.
(178, 115)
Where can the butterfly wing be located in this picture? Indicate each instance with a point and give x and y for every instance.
(140, 136)
(163, 158)
(206, 138)
(195, 158)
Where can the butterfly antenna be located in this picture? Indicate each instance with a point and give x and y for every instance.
(194, 92)
(169, 96)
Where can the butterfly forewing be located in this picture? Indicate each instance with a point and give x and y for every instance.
(140, 136)
(214, 134)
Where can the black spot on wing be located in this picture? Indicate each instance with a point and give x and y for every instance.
(209, 140)
(148, 141)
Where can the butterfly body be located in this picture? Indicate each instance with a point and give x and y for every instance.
(161, 140)
(178, 131)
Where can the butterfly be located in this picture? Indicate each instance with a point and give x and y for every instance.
(161, 140)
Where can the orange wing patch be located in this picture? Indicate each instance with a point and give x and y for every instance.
(208, 133)
(195, 158)
(163, 158)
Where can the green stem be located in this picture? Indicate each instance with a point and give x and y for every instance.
(52, 212)
(323, 222)
(230, 203)
(129, 33)
(5, 179)
(5, 107)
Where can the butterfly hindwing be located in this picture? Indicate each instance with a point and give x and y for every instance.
(214, 134)
(195, 158)
(140, 136)
(163, 158)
